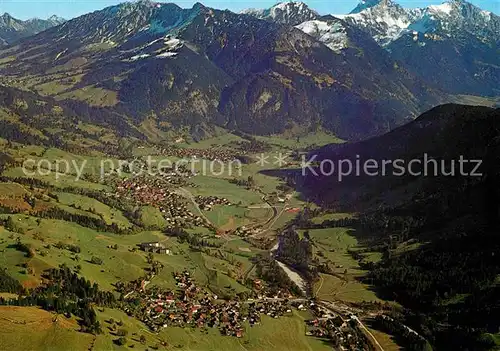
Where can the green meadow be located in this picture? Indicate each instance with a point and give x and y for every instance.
(332, 245)
(108, 214)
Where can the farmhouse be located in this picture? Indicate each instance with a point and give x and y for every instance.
(155, 247)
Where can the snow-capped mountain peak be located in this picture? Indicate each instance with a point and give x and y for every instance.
(445, 8)
(291, 13)
(382, 19)
(56, 19)
(331, 33)
(386, 21)
(366, 4)
(456, 18)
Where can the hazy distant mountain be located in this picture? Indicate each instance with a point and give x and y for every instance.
(12, 29)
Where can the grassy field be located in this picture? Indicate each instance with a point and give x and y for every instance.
(119, 264)
(300, 142)
(385, 340)
(61, 168)
(151, 217)
(331, 217)
(13, 195)
(62, 181)
(30, 328)
(266, 183)
(332, 245)
(108, 214)
(87, 164)
(223, 139)
(11, 190)
(207, 186)
(227, 217)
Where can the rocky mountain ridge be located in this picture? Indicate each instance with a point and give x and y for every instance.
(12, 29)
(174, 68)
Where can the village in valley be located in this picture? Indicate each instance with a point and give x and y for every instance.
(190, 305)
(225, 253)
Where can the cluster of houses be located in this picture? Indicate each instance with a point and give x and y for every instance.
(146, 191)
(271, 308)
(155, 247)
(245, 231)
(178, 215)
(206, 203)
(327, 324)
(154, 192)
(190, 305)
(176, 176)
(279, 197)
(252, 147)
(211, 153)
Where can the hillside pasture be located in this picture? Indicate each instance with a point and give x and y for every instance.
(108, 214)
(332, 245)
(208, 186)
(30, 328)
(120, 264)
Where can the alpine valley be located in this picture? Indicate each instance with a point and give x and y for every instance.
(164, 179)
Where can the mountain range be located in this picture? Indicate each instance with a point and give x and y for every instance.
(159, 68)
(379, 77)
(453, 46)
(12, 29)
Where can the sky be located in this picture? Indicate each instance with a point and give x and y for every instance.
(24, 9)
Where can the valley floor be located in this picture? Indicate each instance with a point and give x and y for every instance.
(231, 224)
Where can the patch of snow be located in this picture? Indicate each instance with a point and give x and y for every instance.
(172, 42)
(152, 42)
(60, 54)
(486, 15)
(333, 35)
(284, 12)
(138, 57)
(446, 8)
(385, 20)
(167, 54)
